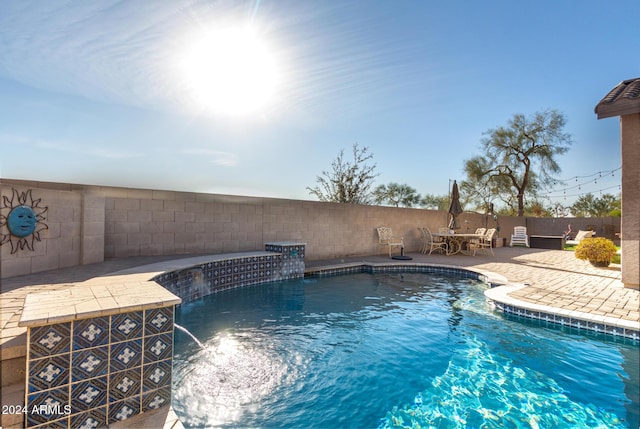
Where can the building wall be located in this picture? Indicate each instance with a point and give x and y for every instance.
(630, 142)
(89, 223)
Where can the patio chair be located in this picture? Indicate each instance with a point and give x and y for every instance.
(484, 244)
(579, 236)
(425, 240)
(479, 231)
(519, 236)
(434, 243)
(386, 238)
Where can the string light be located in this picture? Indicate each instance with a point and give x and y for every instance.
(598, 173)
(591, 179)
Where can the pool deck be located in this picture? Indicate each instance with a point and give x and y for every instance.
(552, 280)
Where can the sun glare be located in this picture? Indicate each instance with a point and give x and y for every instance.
(231, 71)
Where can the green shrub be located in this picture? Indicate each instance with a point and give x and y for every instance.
(597, 249)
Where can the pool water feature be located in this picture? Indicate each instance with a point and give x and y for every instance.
(393, 350)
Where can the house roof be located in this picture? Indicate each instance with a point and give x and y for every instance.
(622, 100)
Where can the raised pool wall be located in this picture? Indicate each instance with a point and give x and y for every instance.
(102, 351)
(86, 224)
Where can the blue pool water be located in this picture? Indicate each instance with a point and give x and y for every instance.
(393, 350)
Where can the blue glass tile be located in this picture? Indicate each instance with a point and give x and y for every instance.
(33, 420)
(158, 320)
(124, 384)
(49, 340)
(123, 410)
(89, 394)
(156, 399)
(158, 347)
(156, 375)
(51, 405)
(126, 326)
(93, 418)
(126, 355)
(89, 363)
(49, 373)
(90, 332)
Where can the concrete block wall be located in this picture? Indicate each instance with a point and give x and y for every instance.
(74, 233)
(166, 223)
(90, 223)
(147, 222)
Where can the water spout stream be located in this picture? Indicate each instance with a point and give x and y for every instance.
(183, 329)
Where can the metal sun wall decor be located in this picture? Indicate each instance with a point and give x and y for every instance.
(21, 220)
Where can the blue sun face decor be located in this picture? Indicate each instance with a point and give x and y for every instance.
(21, 220)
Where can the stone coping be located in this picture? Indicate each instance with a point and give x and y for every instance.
(499, 293)
(489, 277)
(96, 298)
(120, 292)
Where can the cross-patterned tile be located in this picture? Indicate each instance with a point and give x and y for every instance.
(156, 375)
(48, 406)
(90, 332)
(94, 418)
(48, 373)
(89, 363)
(158, 320)
(124, 384)
(49, 340)
(125, 409)
(89, 394)
(126, 326)
(156, 399)
(34, 422)
(126, 355)
(158, 347)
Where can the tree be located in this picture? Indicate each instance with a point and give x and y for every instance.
(348, 182)
(519, 158)
(590, 206)
(435, 202)
(396, 195)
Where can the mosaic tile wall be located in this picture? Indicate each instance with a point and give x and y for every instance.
(572, 322)
(93, 372)
(286, 262)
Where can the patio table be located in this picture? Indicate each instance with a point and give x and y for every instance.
(455, 241)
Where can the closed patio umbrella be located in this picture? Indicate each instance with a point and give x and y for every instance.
(454, 208)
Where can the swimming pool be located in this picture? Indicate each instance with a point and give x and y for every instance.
(392, 350)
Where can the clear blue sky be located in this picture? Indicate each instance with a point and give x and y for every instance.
(100, 92)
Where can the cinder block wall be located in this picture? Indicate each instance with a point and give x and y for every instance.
(89, 223)
(166, 223)
(74, 231)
